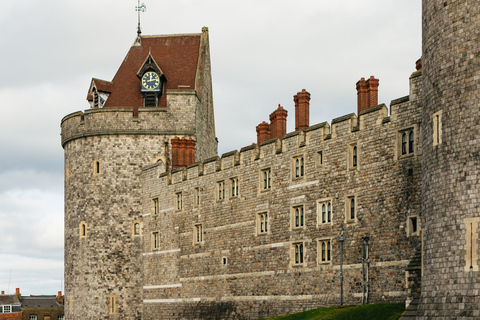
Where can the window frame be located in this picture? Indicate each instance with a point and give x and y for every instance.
(324, 251)
(348, 209)
(198, 233)
(220, 190)
(262, 223)
(32, 317)
(298, 254)
(437, 127)
(179, 201)
(155, 240)
(298, 167)
(196, 197)
(234, 187)
(155, 206)
(327, 202)
(83, 230)
(410, 226)
(297, 221)
(265, 179)
(353, 160)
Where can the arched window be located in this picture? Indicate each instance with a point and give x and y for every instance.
(136, 229)
(323, 251)
(324, 213)
(404, 143)
(297, 168)
(329, 213)
(410, 142)
(302, 166)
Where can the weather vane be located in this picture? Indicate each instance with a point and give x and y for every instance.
(140, 8)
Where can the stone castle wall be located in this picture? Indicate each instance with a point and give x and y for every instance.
(238, 271)
(105, 150)
(450, 182)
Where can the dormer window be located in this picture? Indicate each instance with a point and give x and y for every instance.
(152, 82)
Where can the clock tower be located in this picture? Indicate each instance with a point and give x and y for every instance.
(161, 92)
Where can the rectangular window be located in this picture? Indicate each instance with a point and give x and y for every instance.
(324, 251)
(413, 226)
(407, 142)
(298, 253)
(266, 179)
(32, 317)
(198, 233)
(155, 207)
(437, 128)
(196, 197)
(298, 167)
(262, 223)
(112, 304)
(298, 217)
(179, 197)
(220, 190)
(155, 240)
(61, 317)
(234, 185)
(319, 159)
(7, 309)
(351, 209)
(324, 211)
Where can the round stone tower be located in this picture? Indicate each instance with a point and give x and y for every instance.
(451, 160)
(161, 91)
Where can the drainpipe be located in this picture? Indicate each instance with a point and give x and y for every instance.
(341, 239)
(367, 258)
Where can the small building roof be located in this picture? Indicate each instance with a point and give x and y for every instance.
(40, 302)
(176, 55)
(9, 299)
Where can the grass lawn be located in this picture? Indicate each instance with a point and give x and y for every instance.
(382, 311)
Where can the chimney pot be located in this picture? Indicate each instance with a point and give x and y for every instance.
(3, 292)
(302, 110)
(17, 290)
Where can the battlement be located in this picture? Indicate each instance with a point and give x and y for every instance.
(348, 127)
(122, 121)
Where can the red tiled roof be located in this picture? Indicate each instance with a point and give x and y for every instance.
(102, 85)
(176, 55)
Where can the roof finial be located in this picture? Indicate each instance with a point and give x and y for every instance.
(140, 8)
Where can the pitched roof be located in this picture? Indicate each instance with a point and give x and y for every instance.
(40, 302)
(8, 299)
(176, 55)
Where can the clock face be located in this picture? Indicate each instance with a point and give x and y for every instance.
(150, 81)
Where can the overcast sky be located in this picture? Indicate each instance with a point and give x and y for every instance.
(263, 52)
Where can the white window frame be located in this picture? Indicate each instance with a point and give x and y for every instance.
(32, 317)
(5, 308)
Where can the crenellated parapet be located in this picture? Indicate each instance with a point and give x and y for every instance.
(342, 130)
(121, 121)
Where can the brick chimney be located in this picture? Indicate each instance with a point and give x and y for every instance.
(367, 93)
(302, 110)
(17, 293)
(183, 152)
(278, 123)
(3, 292)
(59, 297)
(263, 132)
(372, 85)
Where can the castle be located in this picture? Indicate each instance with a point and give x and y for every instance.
(158, 226)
